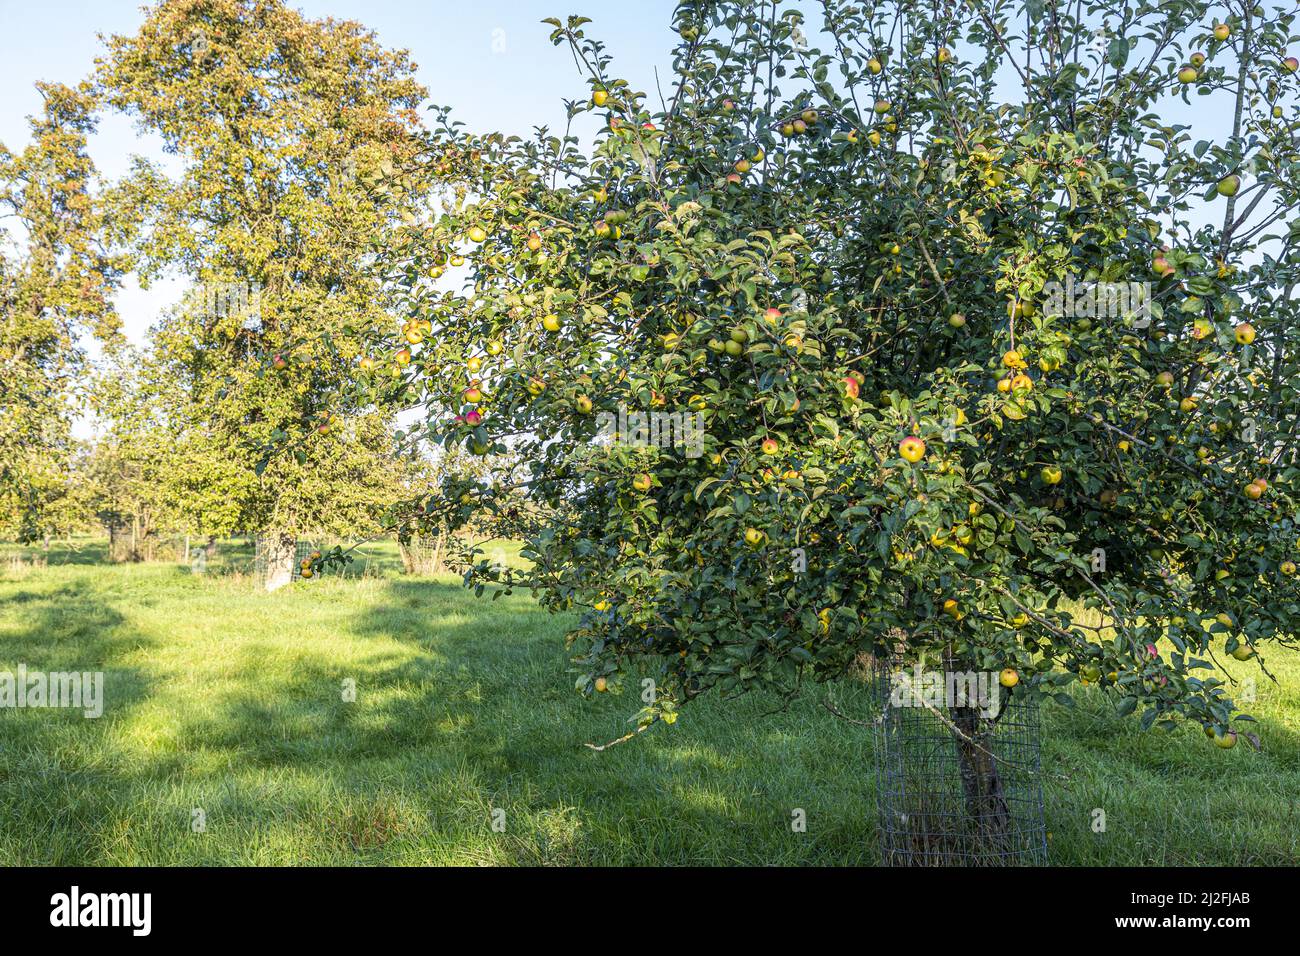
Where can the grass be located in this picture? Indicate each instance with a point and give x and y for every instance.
(228, 701)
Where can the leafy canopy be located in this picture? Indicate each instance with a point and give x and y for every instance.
(829, 238)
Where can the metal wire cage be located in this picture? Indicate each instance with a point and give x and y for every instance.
(279, 555)
(958, 767)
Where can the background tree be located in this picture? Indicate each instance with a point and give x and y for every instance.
(842, 258)
(56, 285)
(287, 130)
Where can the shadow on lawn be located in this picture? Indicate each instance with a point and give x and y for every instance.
(51, 758)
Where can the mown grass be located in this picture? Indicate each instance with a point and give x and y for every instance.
(229, 701)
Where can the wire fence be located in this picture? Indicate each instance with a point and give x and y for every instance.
(958, 767)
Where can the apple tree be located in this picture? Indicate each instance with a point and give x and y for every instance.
(57, 277)
(984, 349)
(286, 132)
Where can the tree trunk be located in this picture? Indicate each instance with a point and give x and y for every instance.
(118, 546)
(986, 804)
(281, 553)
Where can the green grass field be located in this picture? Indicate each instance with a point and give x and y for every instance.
(228, 700)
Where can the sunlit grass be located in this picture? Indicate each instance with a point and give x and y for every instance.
(229, 701)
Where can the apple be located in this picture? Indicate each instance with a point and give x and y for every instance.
(851, 387)
(367, 363)
(280, 362)
(1291, 64)
(953, 610)
(551, 323)
(875, 66)
(770, 446)
(601, 685)
(536, 386)
(480, 448)
(1222, 31)
(874, 138)
(1188, 74)
(851, 136)
(494, 347)
(957, 320)
(800, 127)
(1197, 60)
(1090, 673)
(1050, 475)
(1165, 379)
(1225, 741)
(1022, 382)
(403, 356)
(1187, 405)
(1253, 491)
(739, 336)
(642, 482)
(1243, 652)
(717, 346)
(1201, 328)
(1244, 333)
(944, 54)
(728, 105)
(882, 107)
(600, 97)
(1004, 384)
(477, 234)
(583, 404)
(787, 130)
(742, 166)
(912, 449)
(534, 242)
(733, 348)
(1161, 267)
(754, 537)
(1013, 359)
(773, 315)
(472, 395)
(473, 417)
(1228, 185)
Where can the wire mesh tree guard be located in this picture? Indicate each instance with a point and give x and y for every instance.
(424, 554)
(277, 559)
(958, 767)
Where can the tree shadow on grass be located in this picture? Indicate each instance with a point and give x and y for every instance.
(54, 757)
